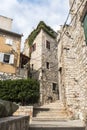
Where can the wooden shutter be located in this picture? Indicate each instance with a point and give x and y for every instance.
(85, 27)
(1, 57)
(11, 61)
(9, 41)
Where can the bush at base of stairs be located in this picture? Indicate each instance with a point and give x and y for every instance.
(25, 91)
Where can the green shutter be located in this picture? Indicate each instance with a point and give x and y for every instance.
(85, 27)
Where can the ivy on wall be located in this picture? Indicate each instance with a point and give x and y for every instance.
(36, 31)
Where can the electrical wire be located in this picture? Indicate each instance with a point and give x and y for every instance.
(76, 12)
(69, 12)
(70, 22)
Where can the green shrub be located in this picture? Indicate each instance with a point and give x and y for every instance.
(35, 32)
(25, 91)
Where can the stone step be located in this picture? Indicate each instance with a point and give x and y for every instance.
(52, 114)
(49, 118)
(51, 111)
(56, 128)
(57, 125)
(57, 103)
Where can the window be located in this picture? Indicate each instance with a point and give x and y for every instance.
(54, 86)
(9, 41)
(47, 65)
(47, 44)
(33, 47)
(7, 58)
(32, 66)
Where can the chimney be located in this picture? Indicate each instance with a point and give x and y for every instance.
(5, 23)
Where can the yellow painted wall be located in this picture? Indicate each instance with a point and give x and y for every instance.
(10, 49)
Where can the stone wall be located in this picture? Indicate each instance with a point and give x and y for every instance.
(6, 76)
(26, 48)
(14, 123)
(74, 65)
(49, 76)
(39, 58)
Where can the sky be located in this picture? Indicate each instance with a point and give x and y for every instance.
(26, 14)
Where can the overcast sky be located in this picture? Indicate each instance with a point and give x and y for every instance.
(26, 14)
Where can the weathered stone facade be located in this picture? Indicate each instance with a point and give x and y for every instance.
(49, 76)
(44, 65)
(6, 76)
(72, 55)
(26, 48)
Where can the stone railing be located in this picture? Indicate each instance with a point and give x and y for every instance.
(14, 123)
(25, 110)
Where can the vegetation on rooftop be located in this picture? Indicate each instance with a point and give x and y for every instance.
(35, 32)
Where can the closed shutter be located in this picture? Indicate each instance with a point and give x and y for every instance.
(1, 57)
(85, 27)
(9, 41)
(11, 61)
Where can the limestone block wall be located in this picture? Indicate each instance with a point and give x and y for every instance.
(68, 70)
(39, 58)
(26, 48)
(74, 66)
(81, 59)
(14, 123)
(49, 76)
(6, 76)
(37, 54)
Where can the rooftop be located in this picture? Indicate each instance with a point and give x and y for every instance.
(40, 26)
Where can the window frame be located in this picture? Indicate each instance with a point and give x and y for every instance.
(33, 48)
(47, 65)
(54, 87)
(8, 58)
(11, 58)
(48, 44)
(9, 41)
(32, 65)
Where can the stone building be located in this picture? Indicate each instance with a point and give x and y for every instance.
(72, 60)
(43, 61)
(9, 48)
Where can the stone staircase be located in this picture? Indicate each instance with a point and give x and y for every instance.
(54, 116)
(51, 111)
